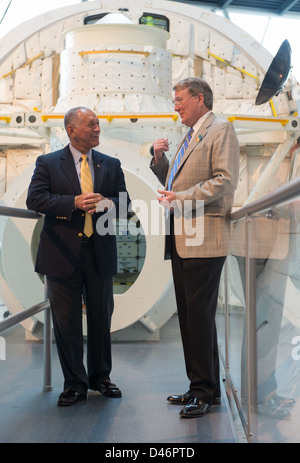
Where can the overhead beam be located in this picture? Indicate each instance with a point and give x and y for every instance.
(225, 3)
(287, 6)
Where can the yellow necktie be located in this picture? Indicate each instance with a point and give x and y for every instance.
(86, 187)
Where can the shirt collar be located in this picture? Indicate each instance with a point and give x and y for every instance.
(77, 154)
(200, 121)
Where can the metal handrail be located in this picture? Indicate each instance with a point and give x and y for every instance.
(42, 306)
(13, 320)
(285, 193)
(20, 213)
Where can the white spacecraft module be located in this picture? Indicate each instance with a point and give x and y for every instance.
(123, 64)
(122, 69)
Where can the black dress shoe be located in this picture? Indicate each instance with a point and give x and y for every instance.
(280, 401)
(195, 408)
(70, 397)
(182, 399)
(216, 401)
(109, 389)
(273, 407)
(272, 411)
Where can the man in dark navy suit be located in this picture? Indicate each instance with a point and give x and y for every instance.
(78, 264)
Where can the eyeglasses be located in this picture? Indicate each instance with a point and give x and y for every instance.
(180, 101)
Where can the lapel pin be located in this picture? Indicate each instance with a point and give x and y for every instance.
(199, 138)
(98, 165)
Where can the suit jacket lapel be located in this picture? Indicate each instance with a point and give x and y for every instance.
(69, 169)
(99, 170)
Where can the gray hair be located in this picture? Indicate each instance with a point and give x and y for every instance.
(73, 114)
(196, 85)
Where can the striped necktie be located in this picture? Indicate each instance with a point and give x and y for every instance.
(179, 157)
(86, 187)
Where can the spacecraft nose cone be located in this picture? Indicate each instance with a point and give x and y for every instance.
(114, 18)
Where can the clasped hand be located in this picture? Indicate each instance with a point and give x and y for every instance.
(89, 201)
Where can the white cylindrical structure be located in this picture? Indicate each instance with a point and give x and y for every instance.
(123, 71)
(125, 67)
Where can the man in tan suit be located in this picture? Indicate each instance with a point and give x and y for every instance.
(204, 172)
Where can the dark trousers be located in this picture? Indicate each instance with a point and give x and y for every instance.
(196, 282)
(66, 298)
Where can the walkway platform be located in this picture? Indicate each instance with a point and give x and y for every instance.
(146, 372)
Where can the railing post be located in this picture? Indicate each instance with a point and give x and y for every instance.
(226, 322)
(250, 331)
(47, 345)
